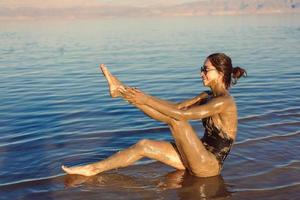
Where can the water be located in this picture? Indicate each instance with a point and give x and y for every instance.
(55, 108)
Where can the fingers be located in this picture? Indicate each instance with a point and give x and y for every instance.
(122, 89)
(127, 90)
(127, 95)
(137, 90)
(131, 94)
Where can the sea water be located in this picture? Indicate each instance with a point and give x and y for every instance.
(55, 107)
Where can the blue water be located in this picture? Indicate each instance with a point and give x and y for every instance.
(55, 107)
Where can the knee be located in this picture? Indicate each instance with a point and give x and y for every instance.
(143, 142)
(205, 169)
(178, 123)
(142, 145)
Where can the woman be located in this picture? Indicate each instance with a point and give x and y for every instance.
(216, 108)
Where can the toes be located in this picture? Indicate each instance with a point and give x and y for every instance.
(66, 169)
(103, 69)
(102, 66)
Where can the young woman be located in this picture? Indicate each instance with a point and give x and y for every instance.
(216, 108)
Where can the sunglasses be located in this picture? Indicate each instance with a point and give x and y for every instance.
(205, 70)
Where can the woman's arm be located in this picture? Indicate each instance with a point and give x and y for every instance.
(147, 109)
(214, 106)
(182, 105)
(187, 103)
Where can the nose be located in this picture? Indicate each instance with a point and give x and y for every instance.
(202, 73)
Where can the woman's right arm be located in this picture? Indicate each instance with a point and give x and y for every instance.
(161, 117)
(187, 103)
(184, 104)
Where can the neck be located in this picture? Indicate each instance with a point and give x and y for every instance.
(218, 90)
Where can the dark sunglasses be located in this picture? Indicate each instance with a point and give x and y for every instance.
(205, 70)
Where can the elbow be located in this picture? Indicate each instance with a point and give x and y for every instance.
(181, 116)
(178, 115)
(188, 115)
(179, 106)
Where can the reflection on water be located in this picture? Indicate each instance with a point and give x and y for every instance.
(194, 188)
(185, 185)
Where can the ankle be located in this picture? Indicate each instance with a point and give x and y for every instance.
(91, 170)
(94, 168)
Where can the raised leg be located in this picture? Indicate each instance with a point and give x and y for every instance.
(197, 159)
(193, 154)
(162, 151)
(113, 83)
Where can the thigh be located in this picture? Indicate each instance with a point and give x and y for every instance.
(198, 159)
(163, 151)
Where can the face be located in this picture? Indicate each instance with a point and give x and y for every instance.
(210, 75)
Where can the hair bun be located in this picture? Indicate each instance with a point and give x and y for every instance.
(238, 72)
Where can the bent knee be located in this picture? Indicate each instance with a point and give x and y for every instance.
(146, 146)
(179, 123)
(143, 144)
(205, 170)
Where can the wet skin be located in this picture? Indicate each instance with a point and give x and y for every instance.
(189, 152)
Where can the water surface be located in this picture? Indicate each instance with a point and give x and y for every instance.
(55, 108)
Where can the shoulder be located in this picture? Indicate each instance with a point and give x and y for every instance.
(207, 92)
(225, 101)
(205, 95)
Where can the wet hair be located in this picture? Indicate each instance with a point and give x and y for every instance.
(223, 64)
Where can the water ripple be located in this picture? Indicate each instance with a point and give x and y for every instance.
(55, 108)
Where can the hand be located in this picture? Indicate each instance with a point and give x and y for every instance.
(182, 107)
(134, 95)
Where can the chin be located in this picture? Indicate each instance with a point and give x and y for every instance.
(205, 84)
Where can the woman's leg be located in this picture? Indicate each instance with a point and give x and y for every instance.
(162, 151)
(196, 158)
(115, 83)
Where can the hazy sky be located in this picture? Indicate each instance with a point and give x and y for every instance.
(147, 2)
(29, 9)
(76, 3)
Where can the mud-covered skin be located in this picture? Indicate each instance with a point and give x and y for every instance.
(190, 152)
(215, 139)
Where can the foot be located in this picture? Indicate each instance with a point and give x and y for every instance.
(113, 83)
(86, 170)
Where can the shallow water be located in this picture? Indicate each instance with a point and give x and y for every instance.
(55, 108)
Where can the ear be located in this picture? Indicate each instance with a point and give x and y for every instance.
(221, 76)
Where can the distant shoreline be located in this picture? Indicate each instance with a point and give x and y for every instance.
(94, 9)
(71, 18)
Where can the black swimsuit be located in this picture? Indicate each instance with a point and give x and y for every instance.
(216, 140)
